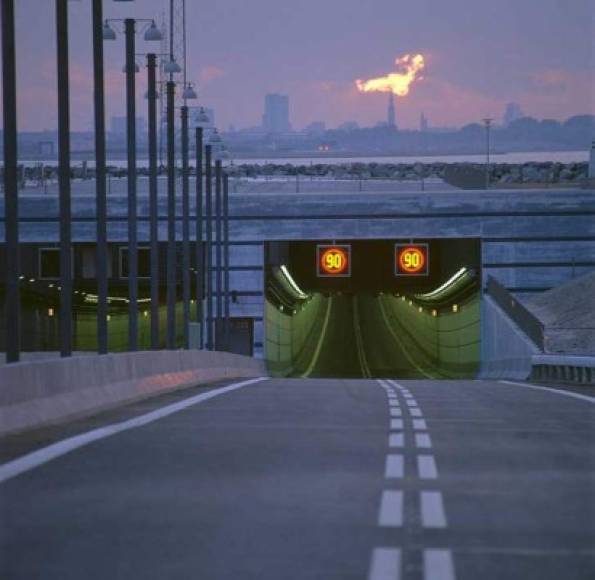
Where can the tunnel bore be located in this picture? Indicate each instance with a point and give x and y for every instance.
(372, 322)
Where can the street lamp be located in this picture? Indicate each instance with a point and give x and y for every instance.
(11, 193)
(151, 33)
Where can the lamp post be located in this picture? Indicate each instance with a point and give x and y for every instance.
(488, 123)
(226, 259)
(151, 33)
(209, 243)
(100, 171)
(171, 218)
(153, 198)
(64, 179)
(11, 194)
(199, 249)
(218, 253)
(187, 93)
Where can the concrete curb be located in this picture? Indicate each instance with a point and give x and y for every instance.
(560, 368)
(45, 392)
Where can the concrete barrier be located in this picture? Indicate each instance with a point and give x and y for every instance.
(39, 393)
(506, 352)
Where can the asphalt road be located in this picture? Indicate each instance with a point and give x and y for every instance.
(313, 479)
(359, 342)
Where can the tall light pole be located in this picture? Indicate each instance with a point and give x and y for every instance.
(226, 260)
(185, 229)
(218, 253)
(129, 31)
(153, 198)
(171, 217)
(208, 253)
(488, 123)
(64, 179)
(199, 249)
(12, 317)
(100, 170)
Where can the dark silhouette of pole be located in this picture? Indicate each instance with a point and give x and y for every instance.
(153, 198)
(200, 274)
(171, 218)
(129, 26)
(226, 260)
(185, 228)
(12, 337)
(64, 179)
(218, 254)
(209, 243)
(100, 170)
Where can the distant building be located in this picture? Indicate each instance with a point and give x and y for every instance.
(423, 123)
(391, 111)
(276, 114)
(348, 126)
(511, 113)
(315, 128)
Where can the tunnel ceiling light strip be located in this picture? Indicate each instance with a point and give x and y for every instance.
(450, 282)
(292, 282)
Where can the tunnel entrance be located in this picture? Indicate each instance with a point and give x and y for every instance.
(369, 310)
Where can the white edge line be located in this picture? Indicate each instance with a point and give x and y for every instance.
(557, 391)
(45, 454)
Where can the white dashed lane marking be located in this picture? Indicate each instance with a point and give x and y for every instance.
(426, 467)
(396, 440)
(438, 565)
(415, 412)
(395, 412)
(386, 564)
(391, 509)
(432, 510)
(395, 466)
(396, 423)
(393, 403)
(423, 440)
(419, 424)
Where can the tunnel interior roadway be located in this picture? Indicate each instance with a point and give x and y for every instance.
(373, 323)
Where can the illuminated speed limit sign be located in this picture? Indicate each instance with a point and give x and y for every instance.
(412, 260)
(333, 261)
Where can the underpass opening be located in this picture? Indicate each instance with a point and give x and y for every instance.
(371, 308)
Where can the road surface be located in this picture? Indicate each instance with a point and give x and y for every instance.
(300, 479)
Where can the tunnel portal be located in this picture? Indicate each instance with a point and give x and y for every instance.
(373, 320)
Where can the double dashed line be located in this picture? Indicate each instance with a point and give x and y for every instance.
(408, 427)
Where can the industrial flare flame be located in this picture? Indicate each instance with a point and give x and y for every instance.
(409, 69)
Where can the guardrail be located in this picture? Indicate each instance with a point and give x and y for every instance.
(565, 369)
(517, 312)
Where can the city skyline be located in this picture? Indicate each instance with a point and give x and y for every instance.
(502, 60)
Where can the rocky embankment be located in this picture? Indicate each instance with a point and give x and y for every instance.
(503, 173)
(500, 173)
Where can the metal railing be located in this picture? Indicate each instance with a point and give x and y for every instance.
(517, 312)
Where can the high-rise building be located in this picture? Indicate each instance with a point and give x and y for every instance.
(276, 114)
(423, 123)
(511, 113)
(391, 110)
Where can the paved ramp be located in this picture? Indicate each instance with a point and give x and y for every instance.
(313, 479)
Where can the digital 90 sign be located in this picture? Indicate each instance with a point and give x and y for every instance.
(412, 260)
(333, 260)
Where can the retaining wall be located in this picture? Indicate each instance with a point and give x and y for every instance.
(39, 393)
